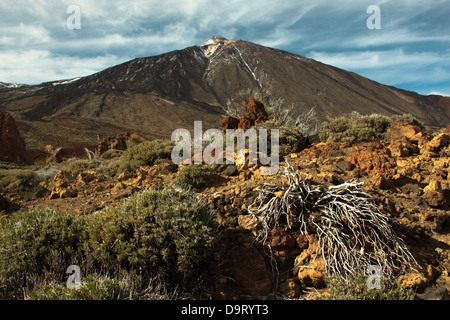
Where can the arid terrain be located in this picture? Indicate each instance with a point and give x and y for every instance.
(407, 175)
(364, 180)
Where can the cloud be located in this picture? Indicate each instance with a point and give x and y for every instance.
(46, 66)
(439, 93)
(410, 50)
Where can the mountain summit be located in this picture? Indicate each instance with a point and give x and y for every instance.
(152, 96)
(210, 46)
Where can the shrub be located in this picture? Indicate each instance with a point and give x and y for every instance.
(79, 166)
(135, 139)
(111, 154)
(18, 176)
(289, 140)
(145, 154)
(352, 233)
(93, 287)
(194, 176)
(37, 244)
(355, 128)
(408, 119)
(158, 232)
(355, 288)
(359, 128)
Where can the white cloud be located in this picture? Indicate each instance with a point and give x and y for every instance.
(37, 66)
(354, 60)
(439, 93)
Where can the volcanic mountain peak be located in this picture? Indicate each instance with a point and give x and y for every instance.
(210, 46)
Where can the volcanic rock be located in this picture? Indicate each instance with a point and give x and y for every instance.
(12, 146)
(250, 272)
(229, 122)
(118, 142)
(253, 113)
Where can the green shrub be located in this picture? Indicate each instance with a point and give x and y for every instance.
(93, 287)
(37, 244)
(408, 119)
(101, 166)
(145, 154)
(111, 154)
(289, 140)
(194, 176)
(135, 139)
(159, 232)
(359, 128)
(19, 176)
(79, 166)
(355, 128)
(355, 288)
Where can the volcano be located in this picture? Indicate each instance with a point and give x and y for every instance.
(152, 96)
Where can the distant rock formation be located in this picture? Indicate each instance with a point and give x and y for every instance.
(12, 146)
(118, 142)
(254, 112)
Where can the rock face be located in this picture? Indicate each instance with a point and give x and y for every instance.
(229, 122)
(12, 146)
(118, 142)
(253, 113)
(250, 272)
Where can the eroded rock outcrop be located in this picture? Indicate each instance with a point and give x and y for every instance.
(254, 112)
(12, 146)
(118, 142)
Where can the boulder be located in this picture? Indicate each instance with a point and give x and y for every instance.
(61, 186)
(229, 122)
(378, 160)
(247, 222)
(434, 198)
(254, 112)
(413, 280)
(380, 181)
(402, 147)
(280, 239)
(404, 129)
(12, 146)
(313, 275)
(290, 288)
(302, 242)
(250, 272)
(432, 148)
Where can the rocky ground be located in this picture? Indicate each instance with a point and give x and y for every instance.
(407, 175)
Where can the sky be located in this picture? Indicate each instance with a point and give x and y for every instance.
(410, 49)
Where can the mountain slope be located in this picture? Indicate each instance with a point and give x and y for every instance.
(153, 96)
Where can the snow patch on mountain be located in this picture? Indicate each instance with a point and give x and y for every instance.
(211, 45)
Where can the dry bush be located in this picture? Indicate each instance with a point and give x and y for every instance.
(351, 231)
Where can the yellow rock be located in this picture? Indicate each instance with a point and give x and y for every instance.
(434, 185)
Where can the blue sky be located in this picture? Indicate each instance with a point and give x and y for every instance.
(410, 51)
